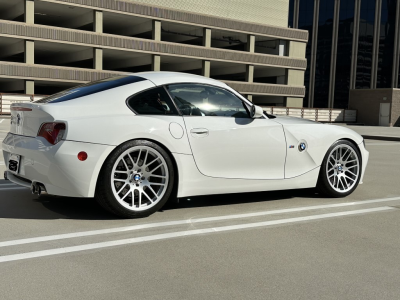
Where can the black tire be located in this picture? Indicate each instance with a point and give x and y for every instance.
(104, 194)
(323, 185)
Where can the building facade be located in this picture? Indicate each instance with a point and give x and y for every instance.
(353, 45)
(50, 45)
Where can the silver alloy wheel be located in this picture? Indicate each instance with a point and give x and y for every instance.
(139, 178)
(343, 168)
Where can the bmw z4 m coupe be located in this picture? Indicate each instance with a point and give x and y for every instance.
(134, 141)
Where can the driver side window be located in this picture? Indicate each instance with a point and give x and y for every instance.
(205, 100)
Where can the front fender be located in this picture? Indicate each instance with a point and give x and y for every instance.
(318, 138)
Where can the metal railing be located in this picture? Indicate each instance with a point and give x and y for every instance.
(316, 114)
(7, 99)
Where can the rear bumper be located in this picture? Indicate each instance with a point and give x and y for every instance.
(56, 167)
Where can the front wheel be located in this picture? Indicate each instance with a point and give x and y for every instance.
(136, 180)
(340, 170)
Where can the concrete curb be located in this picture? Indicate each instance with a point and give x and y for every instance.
(382, 138)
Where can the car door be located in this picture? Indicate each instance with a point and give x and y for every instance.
(225, 141)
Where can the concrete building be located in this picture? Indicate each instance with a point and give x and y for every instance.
(50, 45)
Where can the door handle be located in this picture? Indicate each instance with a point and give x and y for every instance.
(199, 132)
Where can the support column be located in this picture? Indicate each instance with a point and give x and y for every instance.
(332, 75)
(156, 30)
(250, 47)
(206, 64)
(375, 47)
(294, 78)
(313, 54)
(98, 28)
(98, 59)
(156, 35)
(205, 68)
(29, 52)
(156, 62)
(396, 52)
(354, 50)
(29, 87)
(98, 21)
(207, 37)
(29, 11)
(251, 43)
(249, 73)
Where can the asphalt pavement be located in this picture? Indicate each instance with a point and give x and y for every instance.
(272, 245)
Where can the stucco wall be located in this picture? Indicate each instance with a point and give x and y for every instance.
(367, 103)
(270, 12)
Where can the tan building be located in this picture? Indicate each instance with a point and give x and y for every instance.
(50, 45)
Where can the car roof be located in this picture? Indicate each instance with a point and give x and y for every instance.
(161, 78)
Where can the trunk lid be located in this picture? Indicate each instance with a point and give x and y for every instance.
(26, 118)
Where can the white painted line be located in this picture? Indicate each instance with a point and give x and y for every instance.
(171, 235)
(2, 163)
(183, 222)
(1, 121)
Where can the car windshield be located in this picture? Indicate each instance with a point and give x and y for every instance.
(90, 88)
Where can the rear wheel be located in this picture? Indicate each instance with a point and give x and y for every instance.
(341, 170)
(136, 180)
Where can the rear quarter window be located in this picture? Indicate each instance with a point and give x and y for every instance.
(90, 88)
(155, 101)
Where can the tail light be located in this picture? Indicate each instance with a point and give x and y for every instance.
(52, 132)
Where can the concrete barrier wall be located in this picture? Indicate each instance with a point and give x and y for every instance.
(7, 99)
(315, 114)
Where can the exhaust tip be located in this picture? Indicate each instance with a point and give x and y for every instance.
(35, 189)
(38, 188)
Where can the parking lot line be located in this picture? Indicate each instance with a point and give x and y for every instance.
(186, 233)
(1, 121)
(183, 222)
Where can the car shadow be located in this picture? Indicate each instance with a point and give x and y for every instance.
(240, 198)
(21, 204)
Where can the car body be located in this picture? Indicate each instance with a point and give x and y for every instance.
(211, 154)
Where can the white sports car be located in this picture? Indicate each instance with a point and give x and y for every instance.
(134, 141)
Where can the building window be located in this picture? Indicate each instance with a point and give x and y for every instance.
(365, 44)
(386, 44)
(344, 53)
(291, 11)
(324, 51)
(306, 17)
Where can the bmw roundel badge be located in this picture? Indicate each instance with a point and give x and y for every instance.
(302, 147)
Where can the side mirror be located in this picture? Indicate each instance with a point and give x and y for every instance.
(256, 112)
